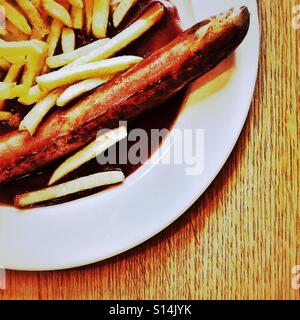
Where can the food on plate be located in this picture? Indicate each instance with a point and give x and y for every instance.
(68, 40)
(92, 150)
(70, 187)
(106, 77)
(74, 74)
(121, 10)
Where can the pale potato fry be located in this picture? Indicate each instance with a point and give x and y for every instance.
(68, 57)
(80, 88)
(88, 7)
(91, 151)
(77, 17)
(76, 3)
(39, 111)
(35, 64)
(20, 48)
(40, 27)
(54, 36)
(121, 10)
(124, 38)
(100, 18)
(15, 17)
(69, 76)
(5, 116)
(13, 73)
(70, 187)
(4, 64)
(68, 40)
(57, 11)
(7, 90)
(33, 95)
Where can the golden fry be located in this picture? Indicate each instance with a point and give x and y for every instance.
(100, 18)
(68, 76)
(13, 73)
(39, 111)
(70, 187)
(125, 37)
(121, 11)
(89, 7)
(57, 11)
(80, 88)
(35, 64)
(97, 147)
(68, 57)
(77, 17)
(15, 17)
(34, 17)
(68, 40)
(33, 95)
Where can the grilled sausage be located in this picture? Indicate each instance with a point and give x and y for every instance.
(145, 86)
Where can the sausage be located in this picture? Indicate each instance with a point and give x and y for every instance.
(147, 85)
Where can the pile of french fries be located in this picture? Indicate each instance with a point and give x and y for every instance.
(35, 75)
(32, 72)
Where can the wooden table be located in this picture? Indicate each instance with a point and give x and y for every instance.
(240, 239)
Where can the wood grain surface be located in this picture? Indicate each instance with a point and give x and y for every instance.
(241, 239)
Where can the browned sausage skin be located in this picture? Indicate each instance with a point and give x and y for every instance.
(147, 85)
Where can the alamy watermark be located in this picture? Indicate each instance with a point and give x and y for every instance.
(2, 278)
(186, 147)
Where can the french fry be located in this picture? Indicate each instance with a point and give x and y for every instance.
(39, 111)
(97, 147)
(80, 88)
(19, 48)
(34, 17)
(68, 40)
(13, 33)
(77, 17)
(7, 90)
(15, 17)
(54, 36)
(4, 64)
(88, 7)
(100, 18)
(68, 57)
(13, 73)
(121, 10)
(76, 3)
(33, 95)
(35, 64)
(103, 68)
(68, 188)
(57, 11)
(36, 3)
(5, 116)
(125, 37)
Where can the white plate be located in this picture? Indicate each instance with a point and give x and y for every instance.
(103, 225)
